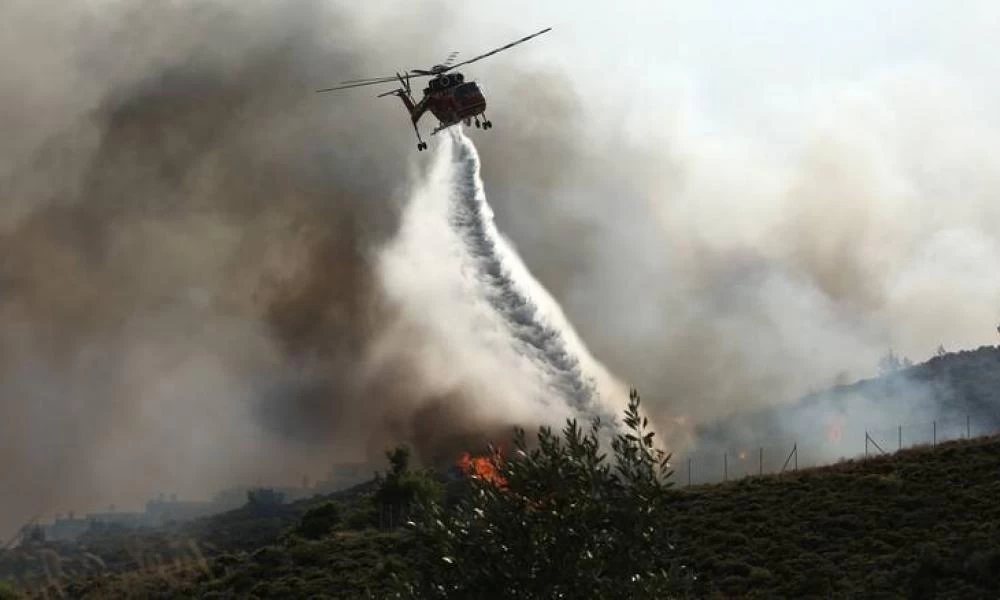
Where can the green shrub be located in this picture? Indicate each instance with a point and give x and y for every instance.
(560, 521)
(320, 521)
(9, 592)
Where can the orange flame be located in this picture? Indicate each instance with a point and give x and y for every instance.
(483, 467)
(835, 430)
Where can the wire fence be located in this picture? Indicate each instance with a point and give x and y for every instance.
(826, 448)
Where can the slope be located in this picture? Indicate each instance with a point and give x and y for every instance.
(920, 523)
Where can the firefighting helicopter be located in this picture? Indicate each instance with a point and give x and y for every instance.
(449, 97)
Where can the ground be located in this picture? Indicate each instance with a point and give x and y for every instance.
(920, 523)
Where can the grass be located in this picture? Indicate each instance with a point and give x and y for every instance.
(923, 522)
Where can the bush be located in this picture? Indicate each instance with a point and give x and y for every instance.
(558, 521)
(9, 592)
(319, 521)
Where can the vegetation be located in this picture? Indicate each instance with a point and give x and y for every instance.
(320, 521)
(566, 515)
(9, 592)
(556, 521)
(401, 489)
(921, 523)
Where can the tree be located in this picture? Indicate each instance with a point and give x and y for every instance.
(564, 522)
(889, 364)
(401, 488)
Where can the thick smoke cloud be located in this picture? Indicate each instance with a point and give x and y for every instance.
(723, 269)
(190, 294)
(207, 275)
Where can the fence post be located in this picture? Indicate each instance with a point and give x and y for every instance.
(900, 437)
(866, 443)
(935, 434)
(968, 428)
(689, 472)
(796, 449)
(760, 463)
(725, 466)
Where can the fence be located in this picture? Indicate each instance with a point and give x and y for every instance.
(831, 446)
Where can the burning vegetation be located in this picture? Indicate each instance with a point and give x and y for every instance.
(485, 468)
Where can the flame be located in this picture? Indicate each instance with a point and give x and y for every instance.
(743, 455)
(483, 467)
(835, 430)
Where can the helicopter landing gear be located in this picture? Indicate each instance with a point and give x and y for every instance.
(477, 123)
(421, 144)
(486, 123)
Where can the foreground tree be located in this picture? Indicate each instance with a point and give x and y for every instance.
(555, 521)
(401, 488)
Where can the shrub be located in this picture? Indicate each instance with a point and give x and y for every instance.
(9, 592)
(320, 521)
(558, 521)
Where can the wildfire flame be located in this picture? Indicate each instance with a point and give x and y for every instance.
(835, 430)
(483, 467)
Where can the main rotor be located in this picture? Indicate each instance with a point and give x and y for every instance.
(434, 71)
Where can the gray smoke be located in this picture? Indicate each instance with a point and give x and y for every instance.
(191, 295)
(211, 274)
(722, 269)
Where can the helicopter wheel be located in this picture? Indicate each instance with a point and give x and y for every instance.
(422, 146)
(487, 124)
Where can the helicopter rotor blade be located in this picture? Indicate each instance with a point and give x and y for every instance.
(364, 82)
(500, 49)
(357, 84)
(367, 79)
(353, 83)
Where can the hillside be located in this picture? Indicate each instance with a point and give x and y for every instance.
(920, 523)
(949, 388)
(923, 522)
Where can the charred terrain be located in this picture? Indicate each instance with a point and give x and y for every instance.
(922, 522)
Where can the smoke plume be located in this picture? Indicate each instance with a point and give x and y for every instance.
(211, 274)
(192, 294)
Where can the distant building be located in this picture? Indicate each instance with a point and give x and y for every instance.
(131, 520)
(66, 529)
(160, 512)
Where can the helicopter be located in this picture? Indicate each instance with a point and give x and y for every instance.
(448, 96)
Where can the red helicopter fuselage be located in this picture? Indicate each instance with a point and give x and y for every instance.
(450, 99)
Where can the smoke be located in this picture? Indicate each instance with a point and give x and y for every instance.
(193, 291)
(723, 268)
(211, 274)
